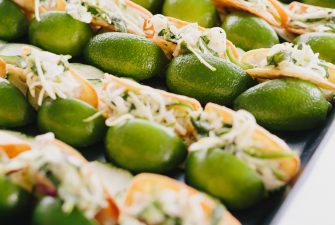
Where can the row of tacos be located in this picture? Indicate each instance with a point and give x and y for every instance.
(122, 99)
(174, 36)
(44, 166)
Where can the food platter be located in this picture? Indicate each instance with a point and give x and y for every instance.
(113, 115)
(307, 144)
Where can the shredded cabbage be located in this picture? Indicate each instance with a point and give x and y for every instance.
(312, 19)
(299, 59)
(115, 12)
(207, 41)
(49, 75)
(121, 103)
(164, 206)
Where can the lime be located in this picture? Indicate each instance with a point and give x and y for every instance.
(323, 3)
(226, 177)
(285, 104)
(142, 146)
(151, 5)
(186, 75)
(58, 32)
(203, 12)
(49, 211)
(69, 119)
(248, 32)
(322, 43)
(13, 22)
(125, 55)
(15, 110)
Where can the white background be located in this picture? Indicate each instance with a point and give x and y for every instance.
(312, 200)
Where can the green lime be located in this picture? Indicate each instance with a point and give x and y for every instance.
(322, 43)
(186, 75)
(49, 211)
(285, 104)
(69, 120)
(125, 55)
(248, 32)
(143, 146)
(226, 177)
(13, 22)
(323, 3)
(152, 5)
(15, 110)
(58, 32)
(14, 201)
(202, 12)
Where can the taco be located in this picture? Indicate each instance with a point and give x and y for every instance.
(40, 75)
(123, 99)
(52, 168)
(305, 18)
(156, 199)
(288, 60)
(237, 133)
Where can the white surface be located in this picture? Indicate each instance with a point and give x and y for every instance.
(312, 200)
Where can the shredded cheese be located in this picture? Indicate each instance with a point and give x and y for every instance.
(121, 103)
(299, 59)
(164, 206)
(115, 12)
(49, 75)
(312, 19)
(207, 41)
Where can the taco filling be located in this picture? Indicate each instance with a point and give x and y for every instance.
(189, 38)
(47, 75)
(311, 19)
(113, 12)
(294, 59)
(164, 206)
(121, 103)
